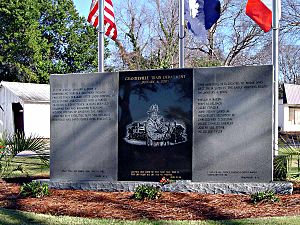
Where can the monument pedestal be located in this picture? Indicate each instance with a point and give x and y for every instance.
(179, 186)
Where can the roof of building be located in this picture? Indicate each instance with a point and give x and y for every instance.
(29, 92)
(292, 94)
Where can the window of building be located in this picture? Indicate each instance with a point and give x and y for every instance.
(297, 116)
(294, 115)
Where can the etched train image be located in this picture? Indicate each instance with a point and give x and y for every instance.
(155, 131)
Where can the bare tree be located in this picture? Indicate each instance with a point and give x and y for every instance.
(289, 63)
(290, 20)
(148, 37)
(232, 39)
(166, 33)
(148, 34)
(133, 34)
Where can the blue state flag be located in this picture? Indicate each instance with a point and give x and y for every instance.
(201, 15)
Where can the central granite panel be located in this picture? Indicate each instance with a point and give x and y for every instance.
(155, 125)
(232, 126)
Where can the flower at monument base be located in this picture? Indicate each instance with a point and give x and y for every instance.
(2, 150)
(164, 181)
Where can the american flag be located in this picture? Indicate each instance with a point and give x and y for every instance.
(109, 18)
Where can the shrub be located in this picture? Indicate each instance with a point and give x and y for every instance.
(288, 149)
(6, 157)
(264, 196)
(34, 189)
(19, 142)
(148, 192)
(11, 145)
(280, 167)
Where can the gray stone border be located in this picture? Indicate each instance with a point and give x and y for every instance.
(179, 186)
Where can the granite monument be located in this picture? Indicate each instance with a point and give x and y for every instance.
(204, 125)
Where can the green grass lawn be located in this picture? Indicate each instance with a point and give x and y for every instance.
(294, 166)
(12, 217)
(28, 166)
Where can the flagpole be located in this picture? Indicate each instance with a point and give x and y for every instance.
(101, 37)
(275, 53)
(181, 34)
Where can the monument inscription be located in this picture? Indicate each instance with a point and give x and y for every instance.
(233, 124)
(84, 126)
(80, 104)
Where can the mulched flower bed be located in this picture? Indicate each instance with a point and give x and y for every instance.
(171, 206)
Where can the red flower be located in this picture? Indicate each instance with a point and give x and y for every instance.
(164, 181)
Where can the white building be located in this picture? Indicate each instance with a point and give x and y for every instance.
(25, 107)
(289, 109)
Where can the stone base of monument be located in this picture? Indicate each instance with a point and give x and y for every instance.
(178, 186)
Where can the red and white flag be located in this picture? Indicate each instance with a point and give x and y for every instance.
(261, 12)
(109, 18)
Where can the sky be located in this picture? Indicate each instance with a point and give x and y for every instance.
(83, 7)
